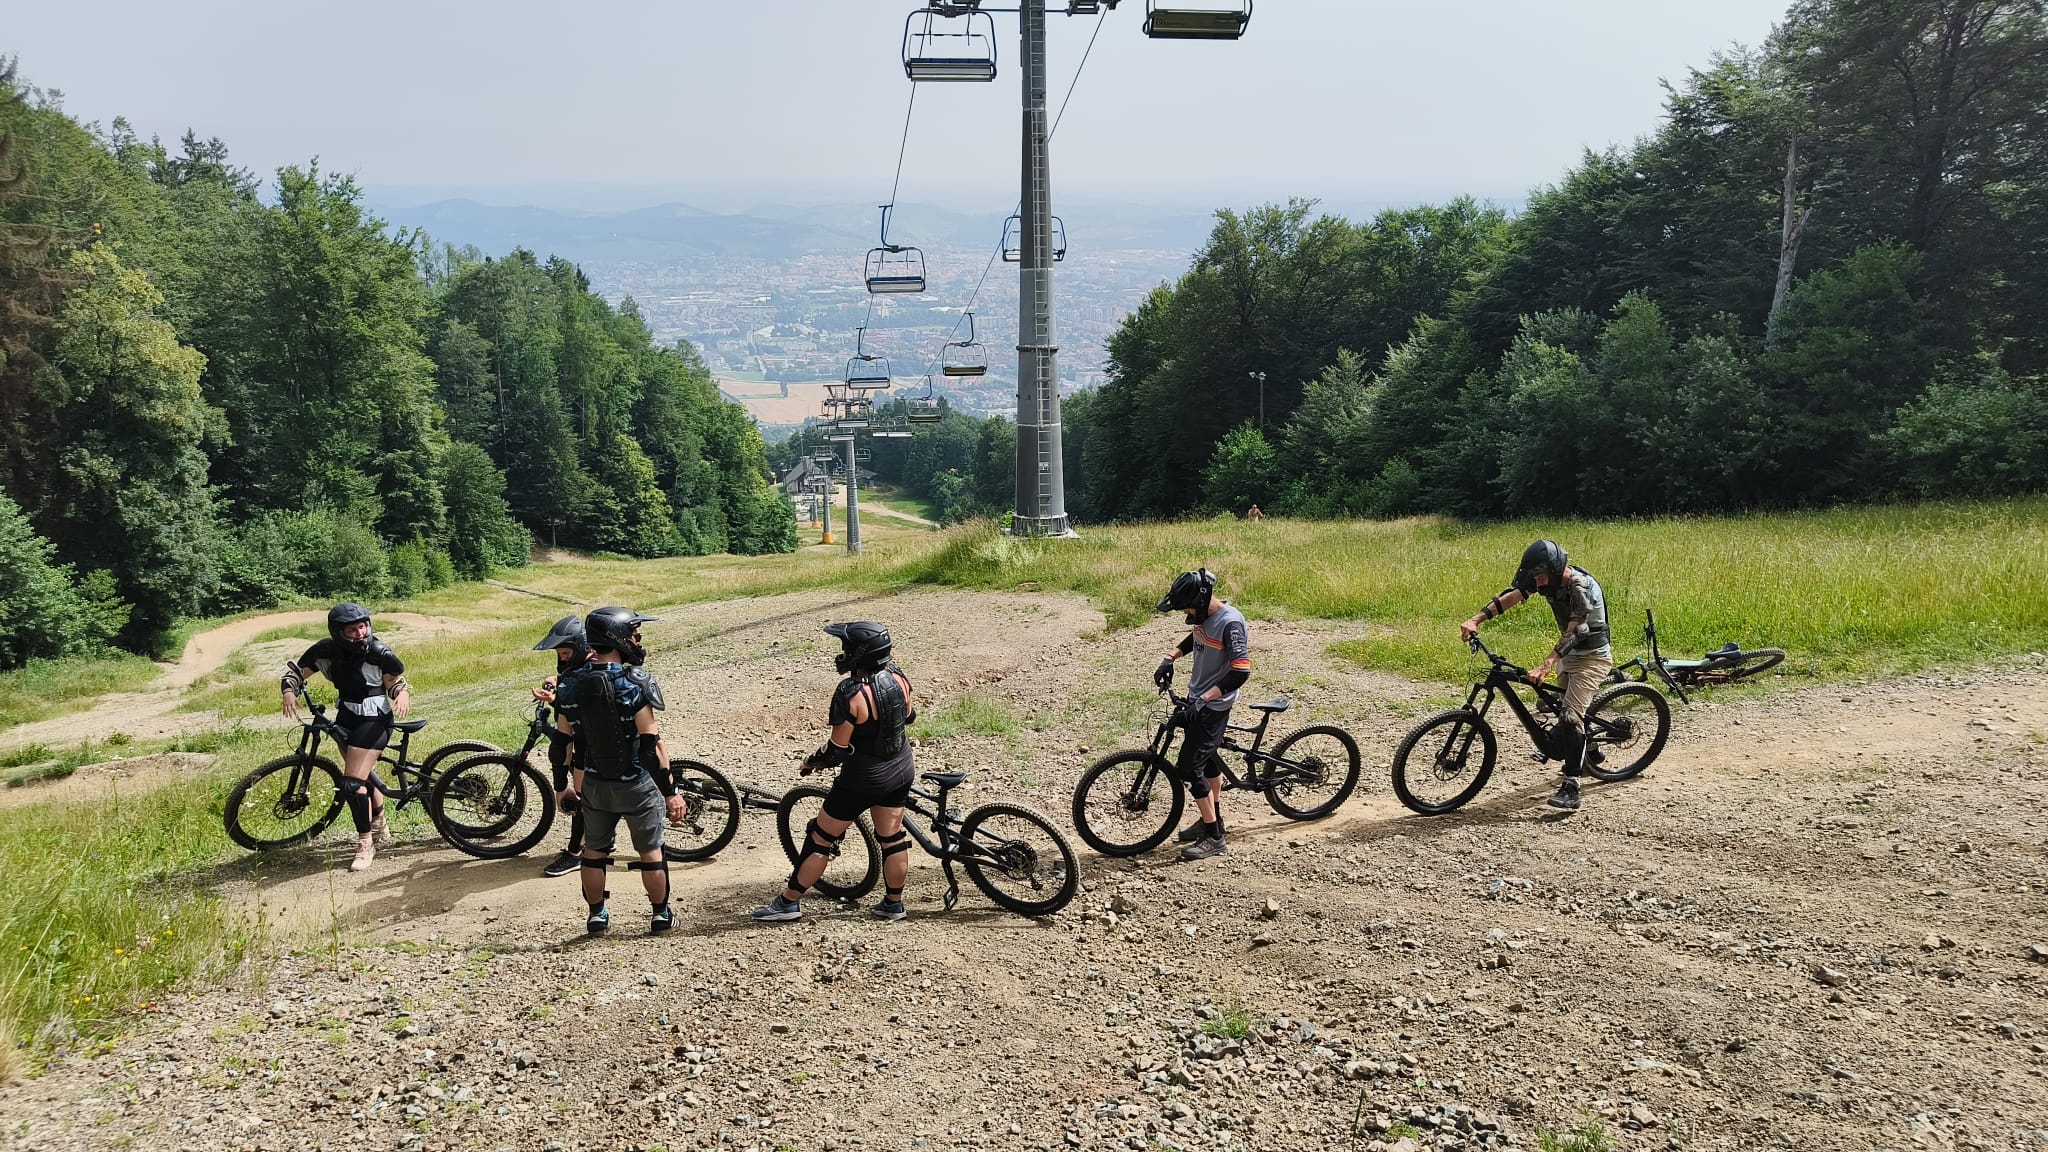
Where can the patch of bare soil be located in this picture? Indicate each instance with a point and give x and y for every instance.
(153, 714)
(1817, 922)
(96, 781)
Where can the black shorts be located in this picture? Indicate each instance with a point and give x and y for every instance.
(854, 792)
(1197, 749)
(365, 731)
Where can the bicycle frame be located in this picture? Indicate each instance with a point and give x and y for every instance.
(1502, 681)
(946, 848)
(412, 782)
(1162, 743)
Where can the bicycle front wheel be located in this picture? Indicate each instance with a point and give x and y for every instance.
(1018, 859)
(285, 802)
(1437, 768)
(711, 815)
(493, 806)
(1625, 729)
(851, 874)
(1312, 772)
(1128, 803)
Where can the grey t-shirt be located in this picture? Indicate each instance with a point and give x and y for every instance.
(1221, 644)
(1580, 598)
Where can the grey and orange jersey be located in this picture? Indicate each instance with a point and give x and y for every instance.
(1221, 646)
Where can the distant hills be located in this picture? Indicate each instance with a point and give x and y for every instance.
(681, 234)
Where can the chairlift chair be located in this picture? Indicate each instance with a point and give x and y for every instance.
(949, 43)
(924, 409)
(894, 269)
(865, 370)
(862, 456)
(1013, 240)
(962, 358)
(1181, 21)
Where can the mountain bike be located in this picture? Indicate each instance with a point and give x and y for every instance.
(1129, 802)
(1014, 854)
(1725, 665)
(293, 798)
(484, 801)
(1437, 768)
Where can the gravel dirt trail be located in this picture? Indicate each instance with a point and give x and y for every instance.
(1817, 922)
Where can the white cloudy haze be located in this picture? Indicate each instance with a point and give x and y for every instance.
(1345, 100)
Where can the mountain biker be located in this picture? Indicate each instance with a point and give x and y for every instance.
(1582, 656)
(571, 652)
(1223, 662)
(369, 679)
(870, 710)
(620, 766)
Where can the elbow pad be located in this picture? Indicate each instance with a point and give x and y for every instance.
(293, 680)
(650, 759)
(558, 758)
(1233, 680)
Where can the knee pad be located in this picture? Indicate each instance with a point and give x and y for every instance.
(600, 863)
(810, 847)
(895, 845)
(1198, 787)
(357, 794)
(660, 866)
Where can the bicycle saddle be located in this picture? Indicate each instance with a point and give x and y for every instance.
(410, 725)
(944, 779)
(1728, 649)
(1281, 704)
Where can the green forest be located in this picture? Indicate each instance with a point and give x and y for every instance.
(219, 393)
(1824, 279)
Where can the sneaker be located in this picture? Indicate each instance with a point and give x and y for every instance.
(1567, 796)
(1193, 832)
(890, 910)
(1204, 848)
(563, 864)
(366, 851)
(664, 921)
(600, 921)
(779, 909)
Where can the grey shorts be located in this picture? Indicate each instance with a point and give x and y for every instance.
(637, 801)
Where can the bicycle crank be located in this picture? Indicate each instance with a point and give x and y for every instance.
(952, 885)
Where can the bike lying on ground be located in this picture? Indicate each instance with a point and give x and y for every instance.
(1725, 665)
(484, 802)
(1129, 802)
(293, 799)
(1015, 855)
(1438, 769)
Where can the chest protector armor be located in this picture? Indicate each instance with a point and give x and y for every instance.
(609, 746)
(882, 736)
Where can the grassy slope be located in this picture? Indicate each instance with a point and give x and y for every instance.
(103, 905)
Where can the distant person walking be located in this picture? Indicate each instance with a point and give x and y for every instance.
(1582, 656)
(1255, 515)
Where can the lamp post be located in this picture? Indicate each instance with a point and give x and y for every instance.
(1261, 378)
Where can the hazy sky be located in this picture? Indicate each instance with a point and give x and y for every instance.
(1341, 99)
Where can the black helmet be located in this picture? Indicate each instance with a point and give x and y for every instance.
(1190, 592)
(617, 630)
(864, 646)
(1544, 555)
(341, 616)
(568, 633)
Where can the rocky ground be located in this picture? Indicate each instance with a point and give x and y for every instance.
(1816, 923)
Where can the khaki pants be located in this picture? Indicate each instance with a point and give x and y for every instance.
(1581, 676)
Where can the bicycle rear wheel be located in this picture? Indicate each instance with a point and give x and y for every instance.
(1436, 768)
(851, 874)
(1741, 665)
(1018, 859)
(455, 750)
(711, 814)
(285, 802)
(493, 806)
(1312, 772)
(1627, 726)
(1128, 803)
